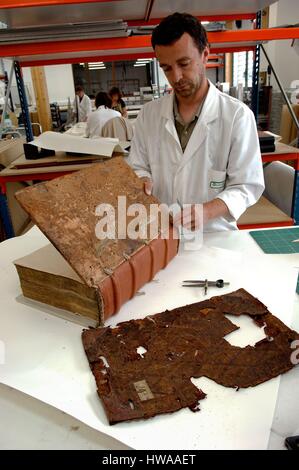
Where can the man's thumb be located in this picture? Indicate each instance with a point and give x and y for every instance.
(148, 187)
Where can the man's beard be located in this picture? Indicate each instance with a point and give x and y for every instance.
(186, 88)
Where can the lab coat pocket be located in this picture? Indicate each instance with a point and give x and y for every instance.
(216, 182)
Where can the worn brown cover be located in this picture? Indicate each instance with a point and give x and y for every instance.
(183, 343)
(64, 209)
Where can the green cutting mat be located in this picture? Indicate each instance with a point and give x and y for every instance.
(279, 241)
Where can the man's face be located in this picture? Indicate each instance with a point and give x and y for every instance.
(183, 65)
(80, 94)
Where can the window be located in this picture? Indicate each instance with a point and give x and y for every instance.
(242, 68)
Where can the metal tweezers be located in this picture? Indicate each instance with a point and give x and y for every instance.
(205, 284)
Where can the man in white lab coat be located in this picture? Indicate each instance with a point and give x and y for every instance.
(82, 105)
(197, 145)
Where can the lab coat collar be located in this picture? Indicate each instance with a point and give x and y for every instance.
(208, 114)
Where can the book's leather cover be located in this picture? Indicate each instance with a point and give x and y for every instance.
(65, 210)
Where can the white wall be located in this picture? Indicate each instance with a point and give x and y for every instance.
(284, 58)
(59, 81)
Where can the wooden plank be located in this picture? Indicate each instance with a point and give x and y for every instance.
(41, 97)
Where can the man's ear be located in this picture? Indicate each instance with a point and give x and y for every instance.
(205, 55)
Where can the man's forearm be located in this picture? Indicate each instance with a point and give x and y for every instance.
(214, 209)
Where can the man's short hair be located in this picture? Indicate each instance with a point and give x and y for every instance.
(79, 88)
(115, 91)
(103, 99)
(174, 26)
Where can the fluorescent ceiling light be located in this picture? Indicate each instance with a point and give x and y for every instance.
(99, 67)
(139, 65)
(95, 63)
(144, 60)
(205, 22)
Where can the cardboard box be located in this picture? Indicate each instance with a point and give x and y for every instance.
(288, 129)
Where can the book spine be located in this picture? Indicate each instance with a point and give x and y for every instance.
(136, 271)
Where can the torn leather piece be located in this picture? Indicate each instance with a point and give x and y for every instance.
(183, 343)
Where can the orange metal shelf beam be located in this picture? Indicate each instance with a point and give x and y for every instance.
(104, 58)
(232, 49)
(44, 3)
(211, 65)
(78, 45)
(253, 35)
(233, 39)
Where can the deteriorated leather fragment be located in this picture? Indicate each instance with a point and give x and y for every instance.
(183, 343)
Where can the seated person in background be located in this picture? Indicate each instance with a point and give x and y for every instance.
(117, 102)
(119, 128)
(103, 113)
(82, 105)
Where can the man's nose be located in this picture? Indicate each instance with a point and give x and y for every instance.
(177, 74)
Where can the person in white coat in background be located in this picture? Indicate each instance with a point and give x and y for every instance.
(97, 119)
(197, 145)
(82, 105)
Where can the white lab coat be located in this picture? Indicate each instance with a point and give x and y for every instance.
(97, 119)
(83, 106)
(222, 158)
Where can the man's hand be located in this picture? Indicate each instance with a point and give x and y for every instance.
(190, 217)
(195, 216)
(148, 185)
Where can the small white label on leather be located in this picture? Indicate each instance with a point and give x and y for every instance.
(143, 390)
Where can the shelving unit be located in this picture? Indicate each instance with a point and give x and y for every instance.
(137, 13)
(109, 49)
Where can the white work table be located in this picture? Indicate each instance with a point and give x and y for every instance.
(43, 353)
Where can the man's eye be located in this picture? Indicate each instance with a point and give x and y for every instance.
(184, 64)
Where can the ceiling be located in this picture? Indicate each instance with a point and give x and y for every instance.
(47, 15)
(51, 12)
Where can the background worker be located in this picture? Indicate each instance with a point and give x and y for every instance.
(82, 105)
(118, 103)
(97, 119)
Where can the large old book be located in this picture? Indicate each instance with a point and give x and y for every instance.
(46, 277)
(67, 210)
